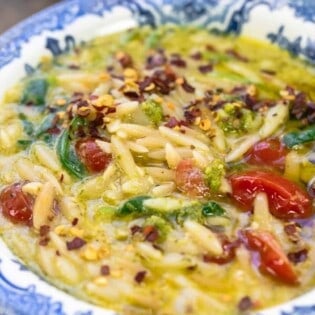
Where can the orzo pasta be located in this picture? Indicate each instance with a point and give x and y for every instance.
(165, 171)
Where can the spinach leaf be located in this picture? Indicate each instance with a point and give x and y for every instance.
(67, 156)
(299, 137)
(35, 92)
(133, 206)
(212, 209)
(28, 127)
(45, 125)
(24, 144)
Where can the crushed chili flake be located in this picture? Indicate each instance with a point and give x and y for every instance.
(74, 67)
(93, 97)
(177, 61)
(158, 59)
(75, 221)
(44, 230)
(187, 87)
(58, 253)
(205, 68)
(44, 241)
(125, 60)
(245, 304)
(105, 270)
(135, 229)
(299, 256)
(147, 81)
(191, 114)
(228, 255)
(236, 55)
(150, 233)
(269, 72)
(173, 122)
(164, 80)
(139, 277)
(210, 47)
(196, 56)
(76, 243)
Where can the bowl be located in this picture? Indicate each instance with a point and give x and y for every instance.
(290, 24)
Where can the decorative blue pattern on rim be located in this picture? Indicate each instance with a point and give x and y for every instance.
(225, 16)
(233, 12)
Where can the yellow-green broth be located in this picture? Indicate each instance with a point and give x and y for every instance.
(121, 266)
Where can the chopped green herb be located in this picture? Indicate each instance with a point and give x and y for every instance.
(212, 209)
(45, 125)
(133, 206)
(153, 110)
(35, 92)
(67, 156)
(299, 137)
(214, 174)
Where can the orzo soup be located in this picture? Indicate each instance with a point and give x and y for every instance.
(165, 171)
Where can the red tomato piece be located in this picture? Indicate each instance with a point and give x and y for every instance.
(269, 152)
(92, 156)
(273, 260)
(190, 180)
(286, 199)
(16, 205)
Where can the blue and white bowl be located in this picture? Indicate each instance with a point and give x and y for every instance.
(289, 23)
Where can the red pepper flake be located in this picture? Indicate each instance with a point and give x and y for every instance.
(177, 61)
(135, 229)
(74, 67)
(164, 80)
(125, 60)
(75, 221)
(147, 81)
(93, 97)
(156, 60)
(44, 241)
(269, 72)
(210, 47)
(76, 243)
(299, 256)
(191, 114)
(205, 68)
(105, 270)
(150, 233)
(236, 55)
(44, 230)
(187, 87)
(196, 56)
(229, 249)
(245, 304)
(58, 253)
(139, 277)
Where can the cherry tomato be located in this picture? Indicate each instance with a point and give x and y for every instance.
(286, 199)
(269, 152)
(273, 260)
(92, 156)
(190, 180)
(16, 205)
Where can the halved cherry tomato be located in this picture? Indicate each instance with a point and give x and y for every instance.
(270, 152)
(92, 156)
(273, 260)
(190, 180)
(16, 205)
(286, 199)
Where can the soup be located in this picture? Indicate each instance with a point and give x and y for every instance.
(165, 171)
